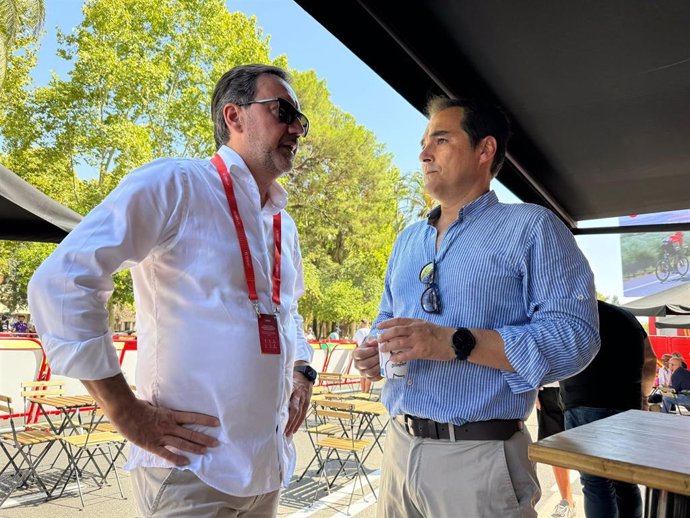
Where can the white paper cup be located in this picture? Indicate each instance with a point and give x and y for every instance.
(391, 369)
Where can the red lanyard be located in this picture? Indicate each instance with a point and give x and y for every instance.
(244, 245)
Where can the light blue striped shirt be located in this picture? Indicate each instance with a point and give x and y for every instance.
(514, 268)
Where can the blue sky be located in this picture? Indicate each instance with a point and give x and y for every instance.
(354, 88)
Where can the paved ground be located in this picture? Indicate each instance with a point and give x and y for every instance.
(298, 501)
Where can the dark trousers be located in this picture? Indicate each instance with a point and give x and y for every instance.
(604, 498)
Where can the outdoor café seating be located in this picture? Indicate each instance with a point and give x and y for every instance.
(671, 394)
(349, 444)
(23, 448)
(89, 446)
(38, 389)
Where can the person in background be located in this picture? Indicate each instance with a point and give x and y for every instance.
(310, 334)
(483, 303)
(619, 378)
(550, 421)
(335, 334)
(222, 376)
(680, 381)
(676, 354)
(362, 331)
(20, 326)
(4, 324)
(663, 377)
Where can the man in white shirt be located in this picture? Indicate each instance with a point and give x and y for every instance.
(207, 241)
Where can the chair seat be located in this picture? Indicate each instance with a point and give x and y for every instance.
(29, 437)
(365, 395)
(106, 427)
(337, 395)
(343, 443)
(325, 429)
(93, 439)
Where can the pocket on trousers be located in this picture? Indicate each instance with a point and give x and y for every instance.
(506, 498)
(156, 481)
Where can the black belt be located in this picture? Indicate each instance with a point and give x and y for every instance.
(495, 430)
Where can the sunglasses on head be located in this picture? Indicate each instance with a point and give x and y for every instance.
(287, 113)
(431, 298)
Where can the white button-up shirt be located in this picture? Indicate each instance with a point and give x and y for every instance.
(198, 341)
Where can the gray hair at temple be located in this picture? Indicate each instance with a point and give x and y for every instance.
(481, 119)
(237, 86)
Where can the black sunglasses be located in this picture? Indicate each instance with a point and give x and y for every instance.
(287, 113)
(431, 298)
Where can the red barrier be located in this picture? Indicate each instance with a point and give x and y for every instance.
(670, 344)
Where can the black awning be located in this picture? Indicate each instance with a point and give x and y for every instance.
(26, 214)
(674, 322)
(598, 92)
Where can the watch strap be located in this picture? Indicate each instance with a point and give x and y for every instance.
(308, 372)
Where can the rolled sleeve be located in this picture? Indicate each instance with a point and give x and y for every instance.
(68, 293)
(93, 359)
(562, 334)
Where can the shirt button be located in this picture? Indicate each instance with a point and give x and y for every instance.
(409, 381)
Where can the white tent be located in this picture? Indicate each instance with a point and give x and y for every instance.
(674, 301)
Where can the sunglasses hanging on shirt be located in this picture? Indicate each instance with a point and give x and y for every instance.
(431, 298)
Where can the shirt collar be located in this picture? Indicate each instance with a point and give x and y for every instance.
(277, 196)
(476, 206)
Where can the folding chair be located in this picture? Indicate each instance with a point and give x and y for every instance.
(89, 446)
(38, 389)
(336, 367)
(23, 441)
(344, 413)
(319, 426)
(681, 408)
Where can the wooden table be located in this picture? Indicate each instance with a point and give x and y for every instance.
(647, 448)
(67, 405)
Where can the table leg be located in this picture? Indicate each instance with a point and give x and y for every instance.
(663, 504)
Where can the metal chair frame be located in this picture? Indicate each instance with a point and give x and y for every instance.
(23, 440)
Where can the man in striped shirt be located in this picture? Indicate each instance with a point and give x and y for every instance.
(485, 302)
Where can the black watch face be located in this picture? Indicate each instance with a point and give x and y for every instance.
(463, 343)
(308, 371)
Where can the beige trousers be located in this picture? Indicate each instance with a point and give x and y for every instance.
(434, 478)
(170, 492)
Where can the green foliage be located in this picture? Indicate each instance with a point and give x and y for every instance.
(17, 18)
(343, 198)
(18, 261)
(140, 88)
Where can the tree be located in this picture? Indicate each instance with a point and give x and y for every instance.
(343, 198)
(140, 88)
(416, 201)
(16, 17)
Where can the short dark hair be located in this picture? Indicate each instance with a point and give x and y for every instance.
(238, 86)
(481, 119)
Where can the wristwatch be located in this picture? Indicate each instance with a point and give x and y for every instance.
(307, 371)
(463, 343)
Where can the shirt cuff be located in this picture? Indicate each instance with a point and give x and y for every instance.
(93, 359)
(529, 365)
